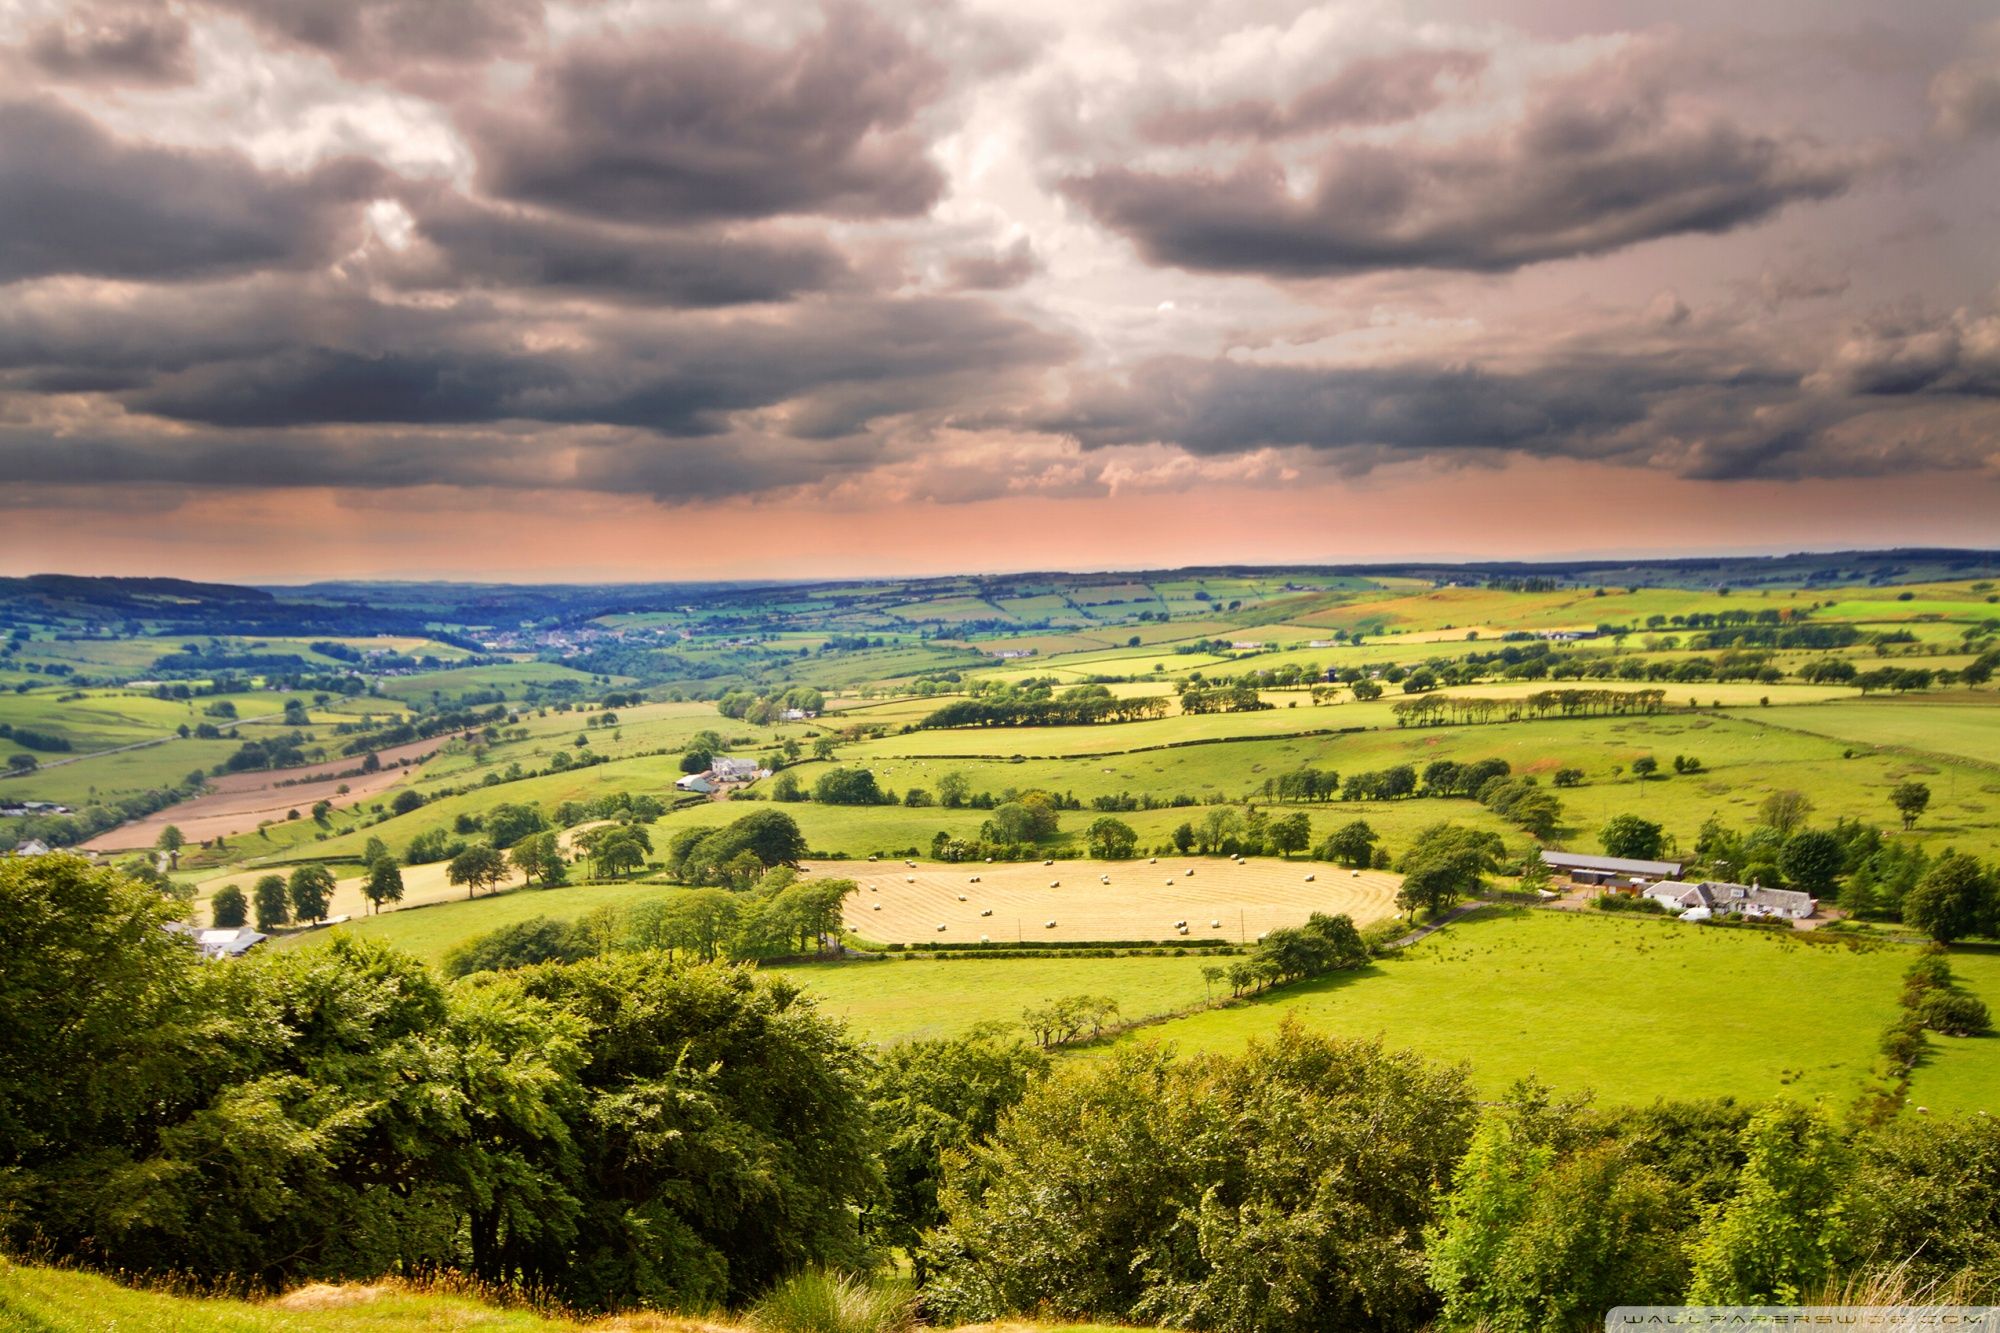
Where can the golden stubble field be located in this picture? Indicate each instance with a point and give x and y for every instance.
(901, 903)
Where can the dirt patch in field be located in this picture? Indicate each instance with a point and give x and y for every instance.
(903, 904)
(241, 801)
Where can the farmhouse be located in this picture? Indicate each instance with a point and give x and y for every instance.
(32, 847)
(219, 942)
(799, 715)
(1751, 900)
(1582, 869)
(1008, 654)
(726, 769)
(696, 782)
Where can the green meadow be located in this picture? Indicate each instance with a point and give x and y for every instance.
(1632, 1009)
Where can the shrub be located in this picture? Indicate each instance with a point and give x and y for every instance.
(1954, 1013)
(817, 1301)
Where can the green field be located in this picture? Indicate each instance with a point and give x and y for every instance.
(1632, 1009)
(430, 932)
(1963, 1073)
(900, 998)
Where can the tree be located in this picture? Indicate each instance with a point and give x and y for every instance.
(406, 801)
(228, 908)
(1812, 860)
(619, 851)
(270, 902)
(1284, 1190)
(1569, 777)
(539, 856)
(373, 850)
(1445, 863)
(171, 840)
(1365, 690)
(311, 890)
(477, 867)
(1110, 839)
(847, 786)
(509, 822)
(1785, 1230)
(954, 789)
(1183, 837)
(1291, 833)
(1644, 767)
(1955, 898)
(1352, 844)
(1785, 811)
(384, 883)
(1911, 799)
(1632, 837)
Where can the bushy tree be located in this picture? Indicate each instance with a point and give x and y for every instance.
(311, 892)
(1812, 860)
(1911, 799)
(847, 786)
(228, 907)
(272, 904)
(1352, 844)
(1284, 1190)
(1786, 1229)
(1632, 837)
(539, 939)
(1955, 898)
(1110, 839)
(384, 883)
(477, 867)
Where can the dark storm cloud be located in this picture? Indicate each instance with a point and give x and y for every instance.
(74, 200)
(1214, 407)
(1588, 170)
(995, 270)
(113, 47)
(829, 367)
(691, 124)
(474, 245)
(395, 38)
(1914, 354)
(1379, 90)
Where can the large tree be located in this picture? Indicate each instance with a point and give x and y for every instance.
(228, 908)
(1632, 837)
(1955, 898)
(384, 883)
(273, 905)
(477, 867)
(311, 891)
(1110, 839)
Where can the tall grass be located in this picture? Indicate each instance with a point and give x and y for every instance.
(818, 1301)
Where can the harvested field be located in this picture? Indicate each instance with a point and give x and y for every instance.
(240, 801)
(1142, 901)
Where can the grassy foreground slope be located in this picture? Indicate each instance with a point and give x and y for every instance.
(47, 1300)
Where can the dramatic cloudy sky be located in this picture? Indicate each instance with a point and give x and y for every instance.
(653, 288)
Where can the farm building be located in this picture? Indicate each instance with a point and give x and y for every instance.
(696, 782)
(726, 769)
(32, 847)
(799, 715)
(1751, 900)
(1608, 870)
(219, 942)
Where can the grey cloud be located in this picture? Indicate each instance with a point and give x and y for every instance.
(994, 270)
(474, 245)
(1917, 354)
(691, 124)
(74, 200)
(1591, 168)
(114, 46)
(1377, 90)
(1965, 95)
(826, 368)
(396, 38)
